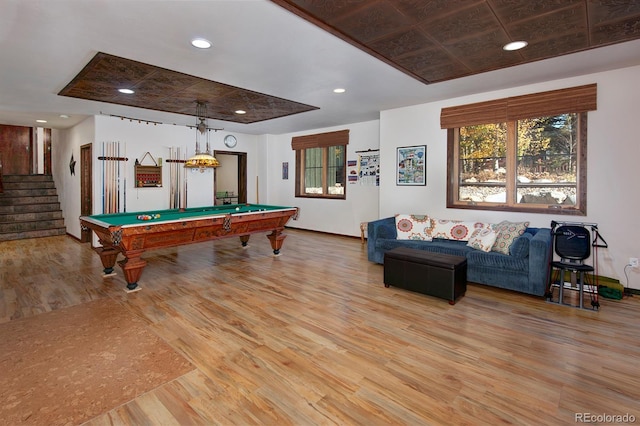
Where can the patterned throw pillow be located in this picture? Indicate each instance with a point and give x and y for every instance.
(483, 239)
(507, 233)
(456, 229)
(413, 227)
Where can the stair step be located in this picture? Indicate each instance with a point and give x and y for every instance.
(32, 225)
(33, 234)
(30, 208)
(10, 186)
(26, 178)
(30, 216)
(28, 192)
(13, 201)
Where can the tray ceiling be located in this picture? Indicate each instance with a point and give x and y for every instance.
(440, 40)
(161, 89)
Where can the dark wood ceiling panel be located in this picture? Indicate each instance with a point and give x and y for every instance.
(421, 11)
(161, 89)
(511, 11)
(403, 43)
(440, 40)
(465, 23)
(375, 21)
(567, 21)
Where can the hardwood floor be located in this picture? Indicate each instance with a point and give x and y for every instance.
(313, 337)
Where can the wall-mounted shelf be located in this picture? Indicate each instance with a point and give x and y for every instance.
(148, 176)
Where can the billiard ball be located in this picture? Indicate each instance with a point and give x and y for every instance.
(237, 209)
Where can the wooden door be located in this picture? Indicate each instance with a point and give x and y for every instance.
(15, 149)
(47, 151)
(86, 185)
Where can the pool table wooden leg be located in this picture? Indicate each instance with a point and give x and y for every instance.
(244, 239)
(277, 239)
(108, 257)
(132, 267)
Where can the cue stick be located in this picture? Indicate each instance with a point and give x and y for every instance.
(125, 179)
(108, 180)
(109, 171)
(185, 185)
(108, 177)
(257, 191)
(172, 178)
(118, 166)
(113, 178)
(111, 186)
(102, 182)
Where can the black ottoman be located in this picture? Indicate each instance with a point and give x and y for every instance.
(433, 274)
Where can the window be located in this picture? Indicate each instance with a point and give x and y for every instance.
(520, 154)
(321, 164)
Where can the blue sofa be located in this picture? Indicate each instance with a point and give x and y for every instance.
(525, 269)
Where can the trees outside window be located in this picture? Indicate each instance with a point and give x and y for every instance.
(526, 153)
(321, 165)
(528, 164)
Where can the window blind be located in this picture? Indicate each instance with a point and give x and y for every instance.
(554, 102)
(320, 140)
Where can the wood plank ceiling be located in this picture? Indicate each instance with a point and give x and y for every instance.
(440, 40)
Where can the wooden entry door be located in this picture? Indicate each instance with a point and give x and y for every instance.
(15, 149)
(86, 184)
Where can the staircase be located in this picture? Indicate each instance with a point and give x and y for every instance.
(29, 208)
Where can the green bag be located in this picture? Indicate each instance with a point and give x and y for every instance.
(609, 293)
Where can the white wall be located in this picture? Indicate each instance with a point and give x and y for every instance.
(64, 143)
(157, 140)
(333, 216)
(613, 170)
(138, 138)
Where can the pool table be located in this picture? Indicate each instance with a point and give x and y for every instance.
(133, 233)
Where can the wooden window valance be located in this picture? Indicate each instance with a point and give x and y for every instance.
(320, 140)
(554, 102)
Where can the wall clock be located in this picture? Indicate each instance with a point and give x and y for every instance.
(230, 141)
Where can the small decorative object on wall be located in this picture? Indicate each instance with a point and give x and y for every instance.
(72, 165)
(230, 141)
(411, 165)
(148, 176)
(285, 170)
(352, 171)
(369, 167)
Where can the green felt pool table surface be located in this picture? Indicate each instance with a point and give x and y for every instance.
(169, 215)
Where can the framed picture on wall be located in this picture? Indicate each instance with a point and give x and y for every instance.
(285, 170)
(411, 165)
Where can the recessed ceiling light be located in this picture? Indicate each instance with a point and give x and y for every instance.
(240, 111)
(339, 90)
(201, 43)
(126, 91)
(515, 45)
(41, 121)
(64, 116)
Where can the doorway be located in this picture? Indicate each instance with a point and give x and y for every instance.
(230, 179)
(86, 192)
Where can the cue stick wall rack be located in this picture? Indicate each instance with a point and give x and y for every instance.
(114, 176)
(148, 176)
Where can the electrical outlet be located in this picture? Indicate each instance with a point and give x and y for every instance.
(633, 261)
